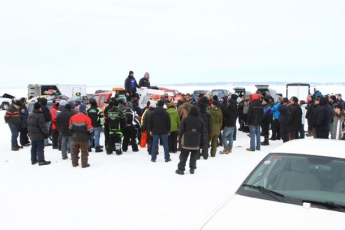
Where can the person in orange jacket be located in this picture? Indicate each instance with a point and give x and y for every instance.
(54, 129)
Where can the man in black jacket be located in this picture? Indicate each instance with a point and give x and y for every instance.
(97, 120)
(230, 116)
(38, 132)
(159, 128)
(145, 81)
(131, 130)
(192, 131)
(145, 118)
(62, 122)
(131, 86)
(255, 114)
(47, 117)
(294, 118)
(323, 117)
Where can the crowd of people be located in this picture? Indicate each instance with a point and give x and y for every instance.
(192, 127)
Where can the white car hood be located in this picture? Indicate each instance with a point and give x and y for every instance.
(241, 212)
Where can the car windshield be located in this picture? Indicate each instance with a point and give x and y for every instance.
(298, 178)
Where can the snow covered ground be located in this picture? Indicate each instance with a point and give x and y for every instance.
(116, 192)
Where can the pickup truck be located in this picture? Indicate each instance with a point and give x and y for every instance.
(5, 101)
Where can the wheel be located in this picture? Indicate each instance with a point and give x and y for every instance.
(5, 106)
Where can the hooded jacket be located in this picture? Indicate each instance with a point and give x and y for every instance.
(230, 114)
(205, 117)
(216, 120)
(45, 110)
(323, 115)
(192, 131)
(159, 122)
(174, 119)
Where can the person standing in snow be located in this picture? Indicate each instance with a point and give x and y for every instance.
(131, 86)
(38, 133)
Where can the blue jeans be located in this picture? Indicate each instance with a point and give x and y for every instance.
(331, 129)
(255, 134)
(302, 132)
(228, 132)
(14, 131)
(96, 133)
(66, 143)
(37, 151)
(154, 150)
(46, 141)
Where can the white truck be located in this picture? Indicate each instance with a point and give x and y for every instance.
(71, 91)
(299, 90)
(5, 101)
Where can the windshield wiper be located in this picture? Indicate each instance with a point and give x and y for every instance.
(264, 190)
(327, 204)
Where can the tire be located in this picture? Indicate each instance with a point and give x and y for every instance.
(5, 105)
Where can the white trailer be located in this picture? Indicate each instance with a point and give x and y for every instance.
(71, 91)
(299, 90)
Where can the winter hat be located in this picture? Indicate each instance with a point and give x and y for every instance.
(339, 105)
(63, 102)
(193, 111)
(82, 108)
(332, 97)
(160, 103)
(152, 104)
(37, 106)
(68, 107)
(130, 72)
(129, 105)
(18, 103)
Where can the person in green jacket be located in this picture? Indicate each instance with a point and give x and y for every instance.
(174, 124)
(216, 120)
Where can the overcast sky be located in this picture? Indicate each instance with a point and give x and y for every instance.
(98, 42)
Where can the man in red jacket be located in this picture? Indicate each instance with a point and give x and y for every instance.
(80, 125)
(55, 132)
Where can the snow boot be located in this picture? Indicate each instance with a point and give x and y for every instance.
(98, 149)
(265, 142)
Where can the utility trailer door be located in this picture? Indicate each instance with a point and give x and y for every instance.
(299, 90)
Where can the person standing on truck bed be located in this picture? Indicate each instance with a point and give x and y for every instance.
(145, 81)
(131, 86)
